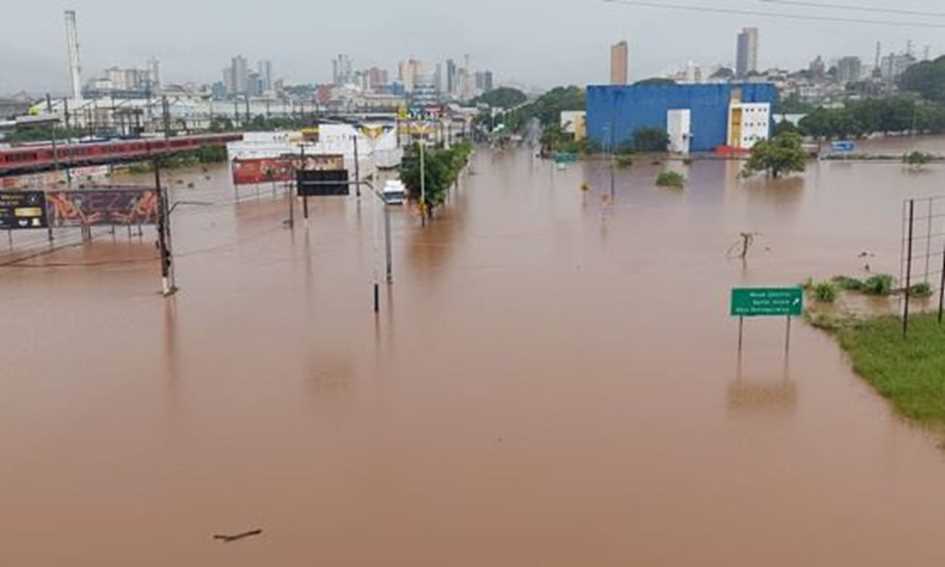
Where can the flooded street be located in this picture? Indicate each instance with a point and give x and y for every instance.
(552, 380)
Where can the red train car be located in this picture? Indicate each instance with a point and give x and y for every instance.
(31, 159)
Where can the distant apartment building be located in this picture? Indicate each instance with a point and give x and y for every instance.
(484, 81)
(342, 71)
(376, 79)
(126, 81)
(409, 72)
(264, 69)
(746, 56)
(451, 77)
(894, 65)
(619, 63)
(849, 69)
(818, 69)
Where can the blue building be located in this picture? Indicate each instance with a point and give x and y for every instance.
(615, 113)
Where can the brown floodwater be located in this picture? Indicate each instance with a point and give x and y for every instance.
(552, 380)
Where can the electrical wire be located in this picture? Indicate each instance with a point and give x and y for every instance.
(784, 15)
(871, 9)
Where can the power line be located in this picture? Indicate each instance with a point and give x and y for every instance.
(848, 7)
(740, 12)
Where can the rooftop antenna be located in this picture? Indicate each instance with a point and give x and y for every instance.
(72, 53)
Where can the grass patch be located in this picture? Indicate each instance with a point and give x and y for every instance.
(910, 372)
(624, 161)
(825, 292)
(670, 179)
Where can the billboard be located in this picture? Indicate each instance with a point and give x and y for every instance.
(22, 210)
(328, 183)
(102, 207)
(267, 170)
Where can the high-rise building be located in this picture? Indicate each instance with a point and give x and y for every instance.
(254, 84)
(376, 78)
(342, 70)
(438, 78)
(240, 70)
(154, 73)
(408, 72)
(894, 65)
(468, 80)
(818, 68)
(484, 81)
(451, 75)
(264, 68)
(619, 63)
(746, 57)
(229, 82)
(72, 53)
(849, 69)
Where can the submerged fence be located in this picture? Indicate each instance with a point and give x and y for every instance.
(922, 259)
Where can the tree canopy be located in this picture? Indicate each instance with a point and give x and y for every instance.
(442, 168)
(655, 82)
(926, 78)
(502, 97)
(548, 107)
(723, 73)
(782, 154)
(858, 118)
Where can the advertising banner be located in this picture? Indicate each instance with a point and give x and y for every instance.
(268, 170)
(102, 207)
(21, 210)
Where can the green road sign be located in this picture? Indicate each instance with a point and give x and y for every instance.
(768, 302)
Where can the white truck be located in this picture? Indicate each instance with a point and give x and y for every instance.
(394, 192)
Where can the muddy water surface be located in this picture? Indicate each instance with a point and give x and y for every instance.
(552, 380)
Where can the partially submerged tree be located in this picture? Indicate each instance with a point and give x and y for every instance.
(441, 167)
(782, 154)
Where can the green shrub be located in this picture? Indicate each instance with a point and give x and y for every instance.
(879, 285)
(670, 179)
(848, 284)
(921, 290)
(624, 161)
(825, 292)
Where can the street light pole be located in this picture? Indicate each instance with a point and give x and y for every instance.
(423, 187)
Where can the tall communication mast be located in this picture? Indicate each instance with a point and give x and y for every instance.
(72, 52)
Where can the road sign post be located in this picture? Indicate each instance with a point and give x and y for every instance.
(767, 302)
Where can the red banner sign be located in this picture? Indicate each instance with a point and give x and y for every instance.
(268, 170)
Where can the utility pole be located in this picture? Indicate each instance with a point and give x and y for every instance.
(423, 187)
(357, 166)
(165, 109)
(163, 228)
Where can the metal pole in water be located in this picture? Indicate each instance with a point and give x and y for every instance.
(741, 334)
(905, 318)
(787, 346)
(162, 232)
(941, 291)
(423, 188)
(390, 262)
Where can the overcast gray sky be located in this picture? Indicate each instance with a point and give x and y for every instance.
(534, 42)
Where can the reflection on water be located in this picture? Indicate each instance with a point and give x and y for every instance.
(750, 393)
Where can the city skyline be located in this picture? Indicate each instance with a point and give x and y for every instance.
(32, 56)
